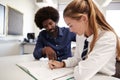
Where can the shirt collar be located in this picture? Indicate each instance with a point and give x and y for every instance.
(60, 31)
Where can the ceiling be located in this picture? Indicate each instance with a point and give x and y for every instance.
(55, 3)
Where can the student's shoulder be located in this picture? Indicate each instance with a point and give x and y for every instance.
(109, 35)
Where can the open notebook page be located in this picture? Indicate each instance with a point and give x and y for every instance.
(40, 70)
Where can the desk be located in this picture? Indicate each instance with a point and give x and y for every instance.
(9, 70)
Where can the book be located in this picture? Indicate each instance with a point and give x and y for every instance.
(40, 70)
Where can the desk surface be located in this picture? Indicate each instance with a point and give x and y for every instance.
(28, 43)
(9, 70)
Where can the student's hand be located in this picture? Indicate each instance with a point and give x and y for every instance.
(55, 64)
(50, 53)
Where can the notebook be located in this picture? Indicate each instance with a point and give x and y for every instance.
(40, 70)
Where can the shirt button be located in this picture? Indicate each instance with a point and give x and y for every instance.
(57, 52)
(58, 58)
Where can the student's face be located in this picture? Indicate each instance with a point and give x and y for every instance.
(49, 25)
(76, 26)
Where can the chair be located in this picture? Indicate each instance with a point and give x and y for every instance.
(117, 74)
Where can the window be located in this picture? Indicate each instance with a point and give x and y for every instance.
(113, 16)
(2, 20)
(15, 22)
(61, 22)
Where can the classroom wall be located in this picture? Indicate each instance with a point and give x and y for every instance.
(27, 7)
(8, 48)
(10, 45)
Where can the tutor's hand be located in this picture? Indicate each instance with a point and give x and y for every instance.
(55, 64)
(50, 53)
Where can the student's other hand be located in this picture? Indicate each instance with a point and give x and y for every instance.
(50, 53)
(55, 64)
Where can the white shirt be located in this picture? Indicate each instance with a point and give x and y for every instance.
(101, 59)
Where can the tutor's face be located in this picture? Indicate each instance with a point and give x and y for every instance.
(49, 25)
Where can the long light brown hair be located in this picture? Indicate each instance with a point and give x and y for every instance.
(77, 8)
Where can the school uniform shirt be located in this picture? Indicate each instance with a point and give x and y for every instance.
(101, 59)
(61, 44)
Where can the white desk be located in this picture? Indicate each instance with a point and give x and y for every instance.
(9, 70)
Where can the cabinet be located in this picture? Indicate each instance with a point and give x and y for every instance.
(9, 47)
(27, 47)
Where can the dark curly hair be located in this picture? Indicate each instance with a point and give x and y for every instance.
(44, 14)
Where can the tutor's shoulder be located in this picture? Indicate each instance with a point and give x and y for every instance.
(64, 29)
